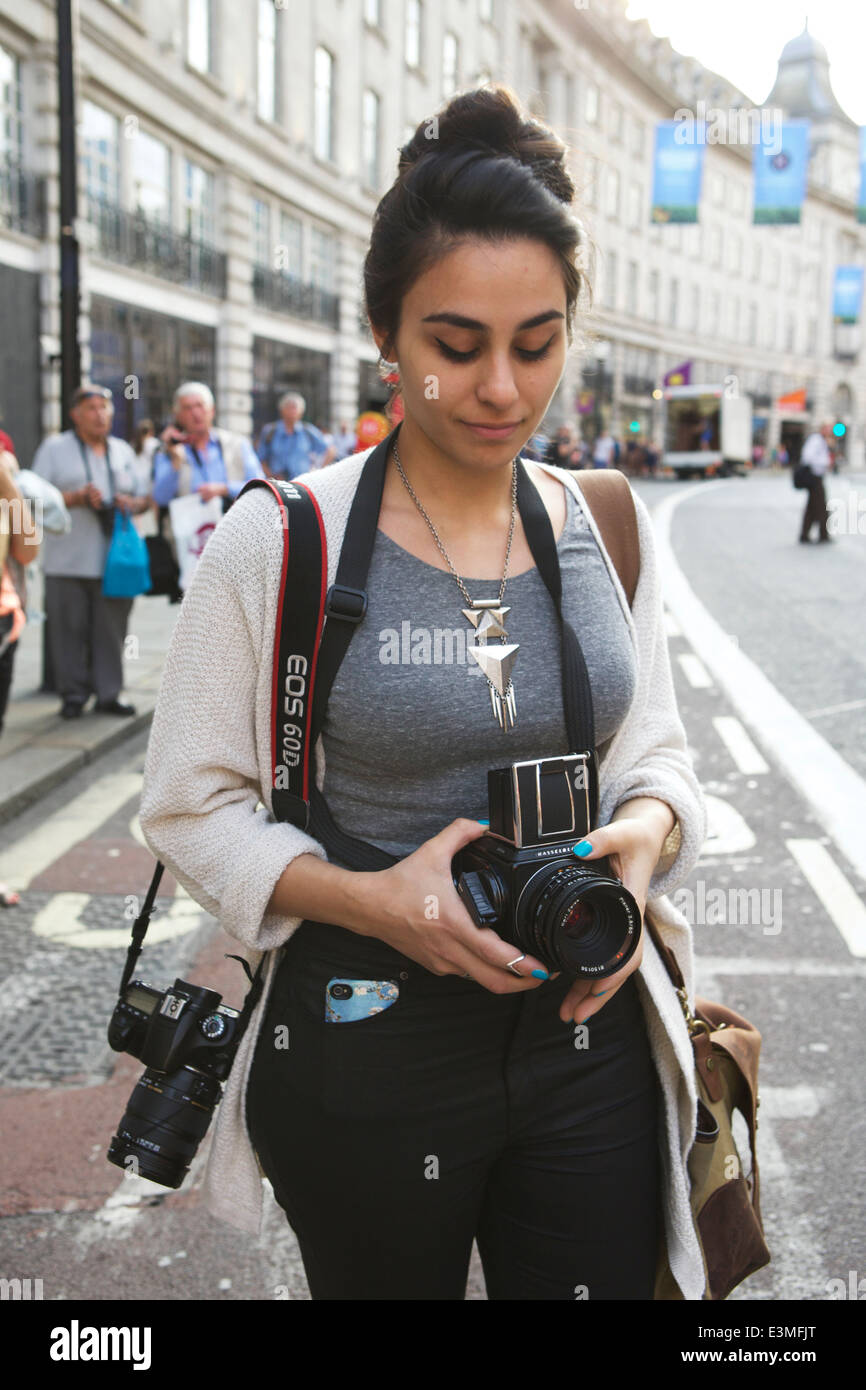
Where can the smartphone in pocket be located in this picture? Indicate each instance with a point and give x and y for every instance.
(348, 1001)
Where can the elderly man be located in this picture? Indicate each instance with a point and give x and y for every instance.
(289, 446)
(95, 473)
(196, 457)
(816, 453)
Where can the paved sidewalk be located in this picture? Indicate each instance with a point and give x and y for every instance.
(38, 749)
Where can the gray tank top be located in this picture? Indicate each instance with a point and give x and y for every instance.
(410, 733)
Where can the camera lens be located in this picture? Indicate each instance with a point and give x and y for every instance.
(164, 1123)
(579, 921)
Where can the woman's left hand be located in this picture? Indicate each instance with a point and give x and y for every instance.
(633, 843)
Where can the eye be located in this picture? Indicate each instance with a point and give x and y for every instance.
(453, 355)
(536, 354)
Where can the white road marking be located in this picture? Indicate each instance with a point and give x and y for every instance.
(739, 745)
(694, 671)
(707, 968)
(843, 906)
(830, 786)
(835, 709)
(34, 853)
(60, 920)
(727, 832)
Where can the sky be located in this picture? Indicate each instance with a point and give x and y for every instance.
(742, 39)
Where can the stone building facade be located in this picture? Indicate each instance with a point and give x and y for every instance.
(232, 152)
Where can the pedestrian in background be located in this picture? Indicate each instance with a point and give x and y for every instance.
(144, 444)
(95, 471)
(197, 457)
(563, 451)
(19, 546)
(289, 446)
(604, 451)
(816, 454)
(345, 440)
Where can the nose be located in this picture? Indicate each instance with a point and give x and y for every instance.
(497, 387)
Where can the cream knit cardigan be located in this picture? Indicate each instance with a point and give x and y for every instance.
(207, 774)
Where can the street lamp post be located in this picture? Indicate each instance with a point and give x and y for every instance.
(70, 347)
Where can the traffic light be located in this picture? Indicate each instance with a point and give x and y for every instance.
(839, 429)
(634, 426)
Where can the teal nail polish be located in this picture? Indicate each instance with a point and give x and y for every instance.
(483, 822)
(583, 849)
(540, 975)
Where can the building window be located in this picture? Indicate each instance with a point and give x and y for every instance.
(715, 245)
(199, 219)
(635, 204)
(370, 139)
(266, 96)
(373, 12)
(791, 334)
(10, 110)
(485, 10)
(673, 303)
(756, 262)
(151, 177)
(323, 259)
(653, 306)
(198, 37)
(290, 259)
(611, 200)
(734, 319)
(738, 198)
(735, 253)
(753, 323)
(591, 177)
(261, 233)
(323, 122)
(638, 136)
(100, 154)
(772, 268)
(695, 319)
(631, 290)
(413, 33)
(591, 103)
(793, 275)
(715, 309)
(610, 275)
(450, 62)
(617, 120)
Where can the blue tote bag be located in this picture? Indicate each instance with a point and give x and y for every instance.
(127, 566)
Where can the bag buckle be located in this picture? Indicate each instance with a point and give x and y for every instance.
(348, 604)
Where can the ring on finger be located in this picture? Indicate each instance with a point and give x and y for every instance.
(511, 964)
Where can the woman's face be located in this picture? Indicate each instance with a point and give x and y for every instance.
(482, 342)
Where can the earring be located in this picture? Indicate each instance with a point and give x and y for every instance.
(389, 371)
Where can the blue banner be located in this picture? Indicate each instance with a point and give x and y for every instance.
(861, 201)
(678, 165)
(847, 293)
(780, 175)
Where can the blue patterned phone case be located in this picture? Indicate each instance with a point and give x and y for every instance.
(347, 1001)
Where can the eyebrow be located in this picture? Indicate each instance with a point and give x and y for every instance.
(460, 321)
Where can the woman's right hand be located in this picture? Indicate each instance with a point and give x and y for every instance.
(414, 907)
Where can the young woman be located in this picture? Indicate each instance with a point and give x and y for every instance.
(471, 1104)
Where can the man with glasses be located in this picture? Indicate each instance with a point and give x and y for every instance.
(95, 472)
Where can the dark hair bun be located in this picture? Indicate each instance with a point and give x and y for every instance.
(481, 168)
(490, 122)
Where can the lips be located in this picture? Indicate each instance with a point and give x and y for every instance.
(497, 431)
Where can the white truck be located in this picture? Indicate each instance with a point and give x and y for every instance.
(707, 431)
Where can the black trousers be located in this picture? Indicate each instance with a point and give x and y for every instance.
(87, 632)
(816, 509)
(393, 1141)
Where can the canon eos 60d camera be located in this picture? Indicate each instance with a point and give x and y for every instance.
(523, 880)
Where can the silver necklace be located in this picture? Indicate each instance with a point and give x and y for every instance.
(486, 615)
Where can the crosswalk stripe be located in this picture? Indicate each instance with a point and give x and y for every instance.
(694, 670)
(843, 906)
(35, 852)
(739, 745)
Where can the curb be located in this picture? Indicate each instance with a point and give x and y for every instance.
(67, 764)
